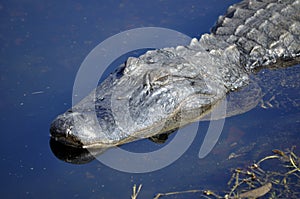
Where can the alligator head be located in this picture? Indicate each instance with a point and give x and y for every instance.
(154, 93)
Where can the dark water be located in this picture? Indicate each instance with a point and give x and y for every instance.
(42, 46)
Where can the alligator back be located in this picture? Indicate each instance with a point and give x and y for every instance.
(264, 31)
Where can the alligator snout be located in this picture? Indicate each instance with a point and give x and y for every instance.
(62, 129)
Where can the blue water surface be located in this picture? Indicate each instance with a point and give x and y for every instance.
(43, 44)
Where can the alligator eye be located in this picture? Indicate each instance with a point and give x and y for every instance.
(162, 80)
(150, 60)
(158, 77)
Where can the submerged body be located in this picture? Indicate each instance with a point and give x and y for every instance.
(165, 89)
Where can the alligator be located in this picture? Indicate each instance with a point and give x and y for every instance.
(165, 89)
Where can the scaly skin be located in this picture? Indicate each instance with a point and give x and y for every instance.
(167, 88)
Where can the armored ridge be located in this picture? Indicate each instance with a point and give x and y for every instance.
(263, 31)
(167, 88)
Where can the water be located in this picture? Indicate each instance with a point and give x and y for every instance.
(42, 46)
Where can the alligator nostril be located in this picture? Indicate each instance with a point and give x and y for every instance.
(62, 130)
(70, 111)
(57, 127)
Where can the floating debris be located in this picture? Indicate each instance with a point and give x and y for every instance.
(258, 192)
(279, 181)
(181, 192)
(135, 192)
(37, 92)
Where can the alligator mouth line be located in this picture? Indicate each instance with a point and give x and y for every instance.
(69, 140)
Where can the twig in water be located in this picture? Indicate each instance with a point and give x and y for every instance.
(135, 192)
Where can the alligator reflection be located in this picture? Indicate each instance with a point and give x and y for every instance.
(74, 155)
(82, 156)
